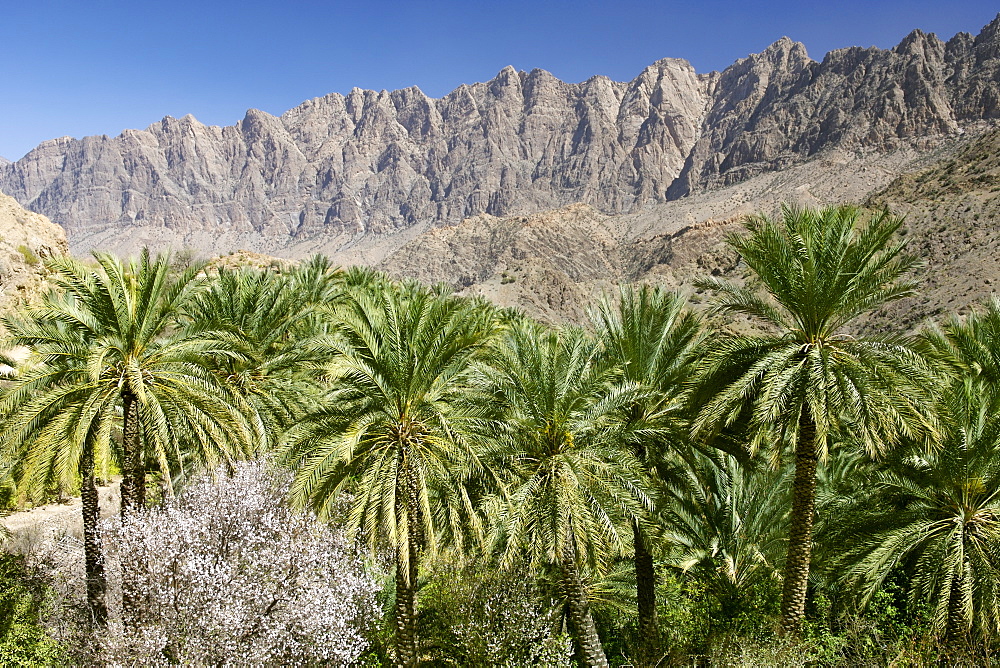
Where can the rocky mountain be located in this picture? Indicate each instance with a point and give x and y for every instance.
(26, 238)
(780, 107)
(952, 210)
(362, 175)
(554, 263)
(371, 163)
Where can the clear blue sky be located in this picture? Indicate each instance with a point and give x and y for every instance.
(78, 67)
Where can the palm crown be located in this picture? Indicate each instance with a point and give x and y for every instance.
(112, 336)
(394, 428)
(812, 274)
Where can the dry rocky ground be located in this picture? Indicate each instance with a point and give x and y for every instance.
(26, 239)
(554, 263)
(54, 523)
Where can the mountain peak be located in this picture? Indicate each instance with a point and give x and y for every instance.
(917, 41)
(344, 170)
(788, 49)
(990, 32)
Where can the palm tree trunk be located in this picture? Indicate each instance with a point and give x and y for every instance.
(956, 632)
(133, 486)
(645, 586)
(589, 651)
(793, 595)
(407, 493)
(96, 582)
(406, 611)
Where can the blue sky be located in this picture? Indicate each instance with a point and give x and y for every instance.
(96, 67)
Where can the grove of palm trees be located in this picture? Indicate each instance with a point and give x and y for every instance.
(770, 480)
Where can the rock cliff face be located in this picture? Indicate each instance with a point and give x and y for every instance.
(340, 170)
(371, 163)
(554, 264)
(26, 239)
(779, 107)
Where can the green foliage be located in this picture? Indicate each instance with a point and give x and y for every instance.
(810, 378)
(109, 332)
(935, 516)
(456, 427)
(813, 273)
(571, 493)
(396, 428)
(29, 256)
(652, 338)
(683, 612)
(557, 446)
(743, 652)
(379, 634)
(881, 633)
(476, 616)
(272, 339)
(728, 525)
(970, 350)
(395, 409)
(24, 597)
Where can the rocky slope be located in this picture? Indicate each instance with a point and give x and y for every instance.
(780, 107)
(952, 211)
(555, 263)
(364, 173)
(26, 238)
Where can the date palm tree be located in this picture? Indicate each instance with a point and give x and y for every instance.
(728, 524)
(650, 335)
(573, 492)
(812, 274)
(69, 437)
(394, 428)
(271, 322)
(934, 514)
(970, 348)
(106, 356)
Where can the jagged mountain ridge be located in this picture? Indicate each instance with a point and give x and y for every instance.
(780, 107)
(371, 163)
(342, 170)
(556, 263)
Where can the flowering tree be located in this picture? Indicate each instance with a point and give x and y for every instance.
(227, 573)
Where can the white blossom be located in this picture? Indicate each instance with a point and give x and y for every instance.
(228, 574)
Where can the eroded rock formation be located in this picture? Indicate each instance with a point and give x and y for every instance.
(340, 169)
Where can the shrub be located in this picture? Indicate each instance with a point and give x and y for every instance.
(24, 596)
(479, 617)
(227, 573)
(29, 255)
